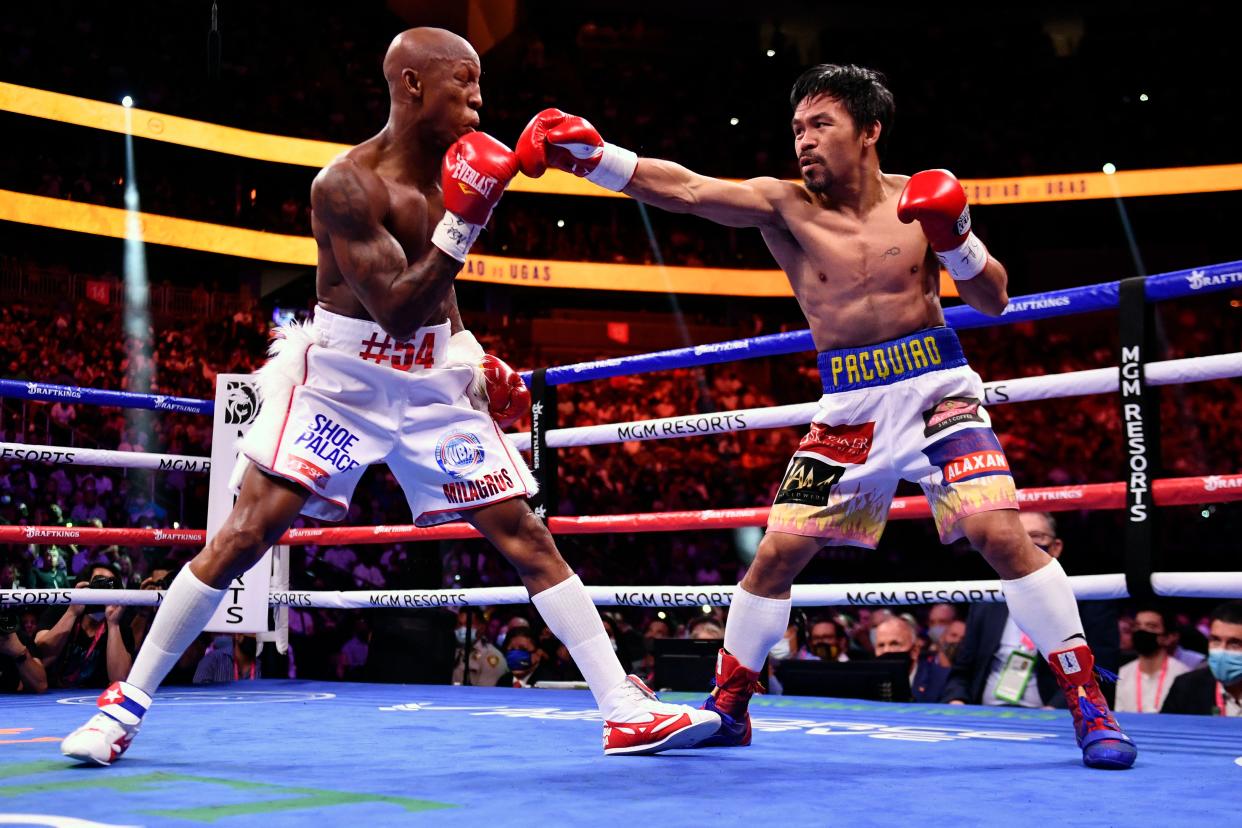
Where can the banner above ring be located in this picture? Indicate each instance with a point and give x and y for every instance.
(40, 103)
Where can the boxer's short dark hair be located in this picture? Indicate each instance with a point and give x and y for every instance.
(863, 92)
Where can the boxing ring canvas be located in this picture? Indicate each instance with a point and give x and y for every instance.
(284, 753)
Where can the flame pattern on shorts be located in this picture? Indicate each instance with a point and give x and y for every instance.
(850, 518)
(951, 503)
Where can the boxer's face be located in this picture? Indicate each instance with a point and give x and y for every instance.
(451, 99)
(827, 142)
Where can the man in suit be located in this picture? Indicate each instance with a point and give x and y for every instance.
(896, 638)
(997, 664)
(1216, 689)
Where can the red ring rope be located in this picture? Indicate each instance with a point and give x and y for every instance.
(1176, 491)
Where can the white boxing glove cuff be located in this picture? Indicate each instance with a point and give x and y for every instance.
(967, 260)
(454, 235)
(615, 169)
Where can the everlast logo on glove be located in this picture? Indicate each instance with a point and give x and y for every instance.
(468, 178)
(809, 482)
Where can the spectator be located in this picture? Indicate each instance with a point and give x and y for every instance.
(705, 629)
(1144, 683)
(827, 641)
(21, 671)
(86, 646)
(996, 661)
(938, 620)
(950, 640)
(352, 660)
(487, 663)
(898, 639)
(49, 571)
(528, 663)
(231, 657)
(1216, 688)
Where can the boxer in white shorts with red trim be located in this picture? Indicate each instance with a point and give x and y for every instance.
(387, 373)
(339, 394)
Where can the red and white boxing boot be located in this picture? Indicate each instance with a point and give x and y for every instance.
(731, 699)
(108, 733)
(1103, 743)
(636, 722)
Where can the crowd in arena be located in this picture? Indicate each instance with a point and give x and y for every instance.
(85, 342)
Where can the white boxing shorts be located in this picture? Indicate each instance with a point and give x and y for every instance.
(907, 409)
(339, 394)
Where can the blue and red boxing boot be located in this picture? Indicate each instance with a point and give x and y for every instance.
(731, 699)
(1103, 743)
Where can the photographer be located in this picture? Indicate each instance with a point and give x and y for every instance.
(87, 646)
(20, 670)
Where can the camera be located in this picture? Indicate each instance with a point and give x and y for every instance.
(8, 622)
(105, 582)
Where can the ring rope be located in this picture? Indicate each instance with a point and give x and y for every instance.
(1175, 491)
(71, 456)
(999, 392)
(1086, 588)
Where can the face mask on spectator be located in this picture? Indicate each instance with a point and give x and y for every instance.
(826, 652)
(781, 651)
(898, 656)
(935, 631)
(1226, 666)
(97, 617)
(460, 635)
(1145, 642)
(518, 660)
(950, 650)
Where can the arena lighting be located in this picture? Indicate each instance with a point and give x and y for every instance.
(137, 312)
(771, 53)
(156, 126)
(1143, 97)
(733, 122)
(560, 222)
(127, 102)
(1109, 168)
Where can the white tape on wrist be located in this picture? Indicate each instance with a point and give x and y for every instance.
(616, 168)
(454, 235)
(967, 260)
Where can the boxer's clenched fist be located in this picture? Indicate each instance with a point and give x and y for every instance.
(475, 172)
(936, 200)
(570, 143)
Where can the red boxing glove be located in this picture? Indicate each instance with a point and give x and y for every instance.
(508, 398)
(935, 199)
(567, 142)
(476, 170)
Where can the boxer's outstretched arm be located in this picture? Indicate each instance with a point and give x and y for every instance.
(672, 187)
(350, 202)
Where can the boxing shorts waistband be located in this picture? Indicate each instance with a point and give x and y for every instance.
(884, 363)
(427, 348)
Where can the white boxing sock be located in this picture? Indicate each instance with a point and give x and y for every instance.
(187, 607)
(1043, 606)
(567, 610)
(755, 625)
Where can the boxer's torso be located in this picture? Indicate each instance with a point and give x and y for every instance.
(859, 279)
(410, 210)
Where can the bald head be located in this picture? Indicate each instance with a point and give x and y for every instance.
(423, 50)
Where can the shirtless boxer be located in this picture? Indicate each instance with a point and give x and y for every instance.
(899, 400)
(386, 373)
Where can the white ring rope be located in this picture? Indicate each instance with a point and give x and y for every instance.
(69, 456)
(1023, 389)
(1086, 588)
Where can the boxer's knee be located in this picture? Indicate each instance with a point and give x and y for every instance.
(233, 550)
(777, 563)
(1003, 542)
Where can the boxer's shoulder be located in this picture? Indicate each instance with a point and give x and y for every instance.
(347, 194)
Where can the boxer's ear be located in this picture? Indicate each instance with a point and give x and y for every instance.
(413, 83)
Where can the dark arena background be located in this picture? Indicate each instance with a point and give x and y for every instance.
(155, 228)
